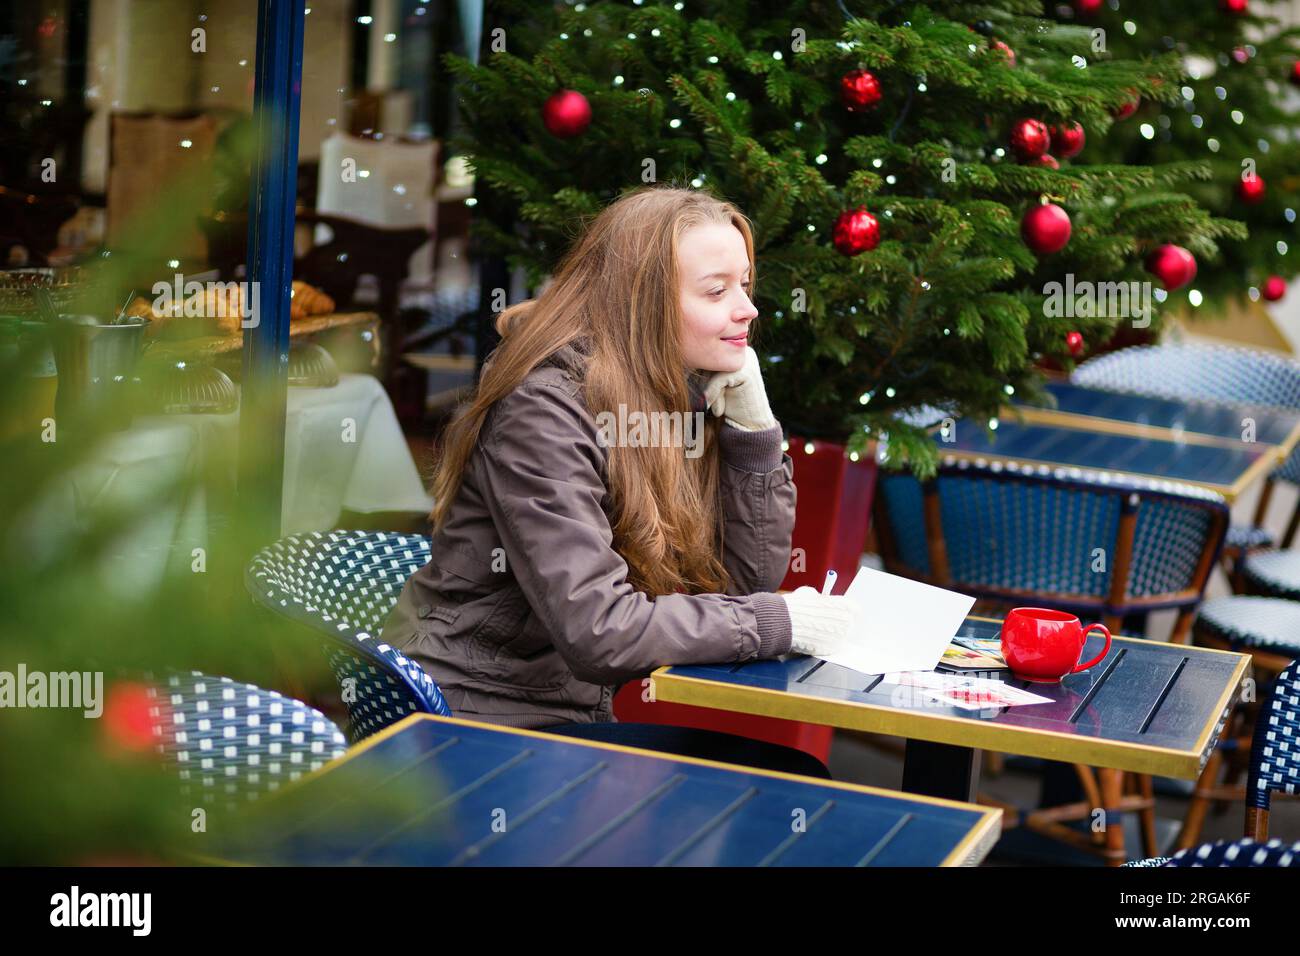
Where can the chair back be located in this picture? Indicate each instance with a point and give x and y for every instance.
(1084, 541)
(1274, 752)
(1239, 853)
(343, 584)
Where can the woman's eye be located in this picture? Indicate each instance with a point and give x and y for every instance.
(717, 292)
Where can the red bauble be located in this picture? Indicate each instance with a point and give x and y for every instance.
(859, 91)
(1067, 141)
(1129, 108)
(1030, 139)
(1006, 51)
(129, 716)
(1087, 8)
(855, 231)
(566, 113)
(1251, 190)
(1237, 7)
(1295, 72)
(1274, 288)
(1046, 228)
(1173, 265)
(1047, 159)
(1074, 342)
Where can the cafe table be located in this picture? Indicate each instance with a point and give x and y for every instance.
(1210, 423)
(445, 791)
(1148, 707)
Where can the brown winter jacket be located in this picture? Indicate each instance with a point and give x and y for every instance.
(524, 615)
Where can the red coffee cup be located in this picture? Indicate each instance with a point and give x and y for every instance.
(1043, 645)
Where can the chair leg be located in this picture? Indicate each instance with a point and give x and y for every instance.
(1256, 824)
(1147, 814)
(1112, 795)
(1206, 787)
(1291, 527)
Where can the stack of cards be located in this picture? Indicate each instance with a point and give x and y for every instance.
(967, 693)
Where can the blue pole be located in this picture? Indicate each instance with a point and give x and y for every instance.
(273, 194)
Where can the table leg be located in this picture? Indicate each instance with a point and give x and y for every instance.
(941, 770)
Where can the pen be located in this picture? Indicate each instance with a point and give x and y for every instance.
(829, 582)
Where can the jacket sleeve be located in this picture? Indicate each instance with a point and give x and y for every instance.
(541, 475)
(758, 498)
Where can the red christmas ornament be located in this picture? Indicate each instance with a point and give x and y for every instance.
(1274, 288)
(566, 113)
(1240, 54)
(1047, 159)
(1087, 8)
(1250, 189)
(1173, 265)
(129, 717)
(1074, 342)
(1030, 139)
(1295, 72)
(1046, 228)
(859, 91)
(1067, 141)
(855, 231)
(1237, 7)
(1127, 109)
(1006, 51)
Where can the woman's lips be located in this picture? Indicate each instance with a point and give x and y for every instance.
(738, 340)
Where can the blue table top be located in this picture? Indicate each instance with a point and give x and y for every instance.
(1149, 706)
(1227, 470)
(1092, 407)
(444, 791)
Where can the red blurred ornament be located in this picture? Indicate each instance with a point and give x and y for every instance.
(855, 231)
(1250, 189)
(1067, 141)
(1295, 72)
(1047, 159)
(131, 715)
(1006, 51)
(1046, 228)
(1087, 8)
(1129, 108)
(566, 113)
(1237, 7)
(1030, 139)
(1173, 265)
(859, 91)
(1274, 288)
(1240, 54)
(1074, 342)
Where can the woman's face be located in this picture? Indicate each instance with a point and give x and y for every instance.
(713, 272)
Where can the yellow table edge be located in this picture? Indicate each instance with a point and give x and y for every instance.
(946, 729)
(972, 848)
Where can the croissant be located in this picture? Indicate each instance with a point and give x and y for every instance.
(307, 300)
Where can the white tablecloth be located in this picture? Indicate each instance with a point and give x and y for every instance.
(344, 450)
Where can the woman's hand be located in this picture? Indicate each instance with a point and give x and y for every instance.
(740, 397)
(821, 624)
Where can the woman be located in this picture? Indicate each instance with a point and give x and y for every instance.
(592, 522)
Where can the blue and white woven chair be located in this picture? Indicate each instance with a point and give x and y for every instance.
(1218, 373)
(1274, 753)
(343, 584)
(233, 742)
(1231, 853)
(1013, 535)
(1269, 630)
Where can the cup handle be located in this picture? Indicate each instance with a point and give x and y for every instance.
(1104, 651)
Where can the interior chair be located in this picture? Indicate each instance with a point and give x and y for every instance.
(1097, 544)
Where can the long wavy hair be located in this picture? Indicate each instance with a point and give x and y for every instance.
(617, 289)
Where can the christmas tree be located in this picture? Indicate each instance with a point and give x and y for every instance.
(1235, 111)
(892, 159)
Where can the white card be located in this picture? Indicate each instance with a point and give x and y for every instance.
(904, 624)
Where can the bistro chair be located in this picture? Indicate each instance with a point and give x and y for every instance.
(1231, 853)
(343, 584)
(1097, 544)
(1274, 756)
(1219, 373)
(1268, 629)
(234, 742)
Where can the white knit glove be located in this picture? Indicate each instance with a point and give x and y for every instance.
(821, 624)
(740, 396)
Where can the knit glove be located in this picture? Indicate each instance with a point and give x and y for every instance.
(821, 624)
(740, 396)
